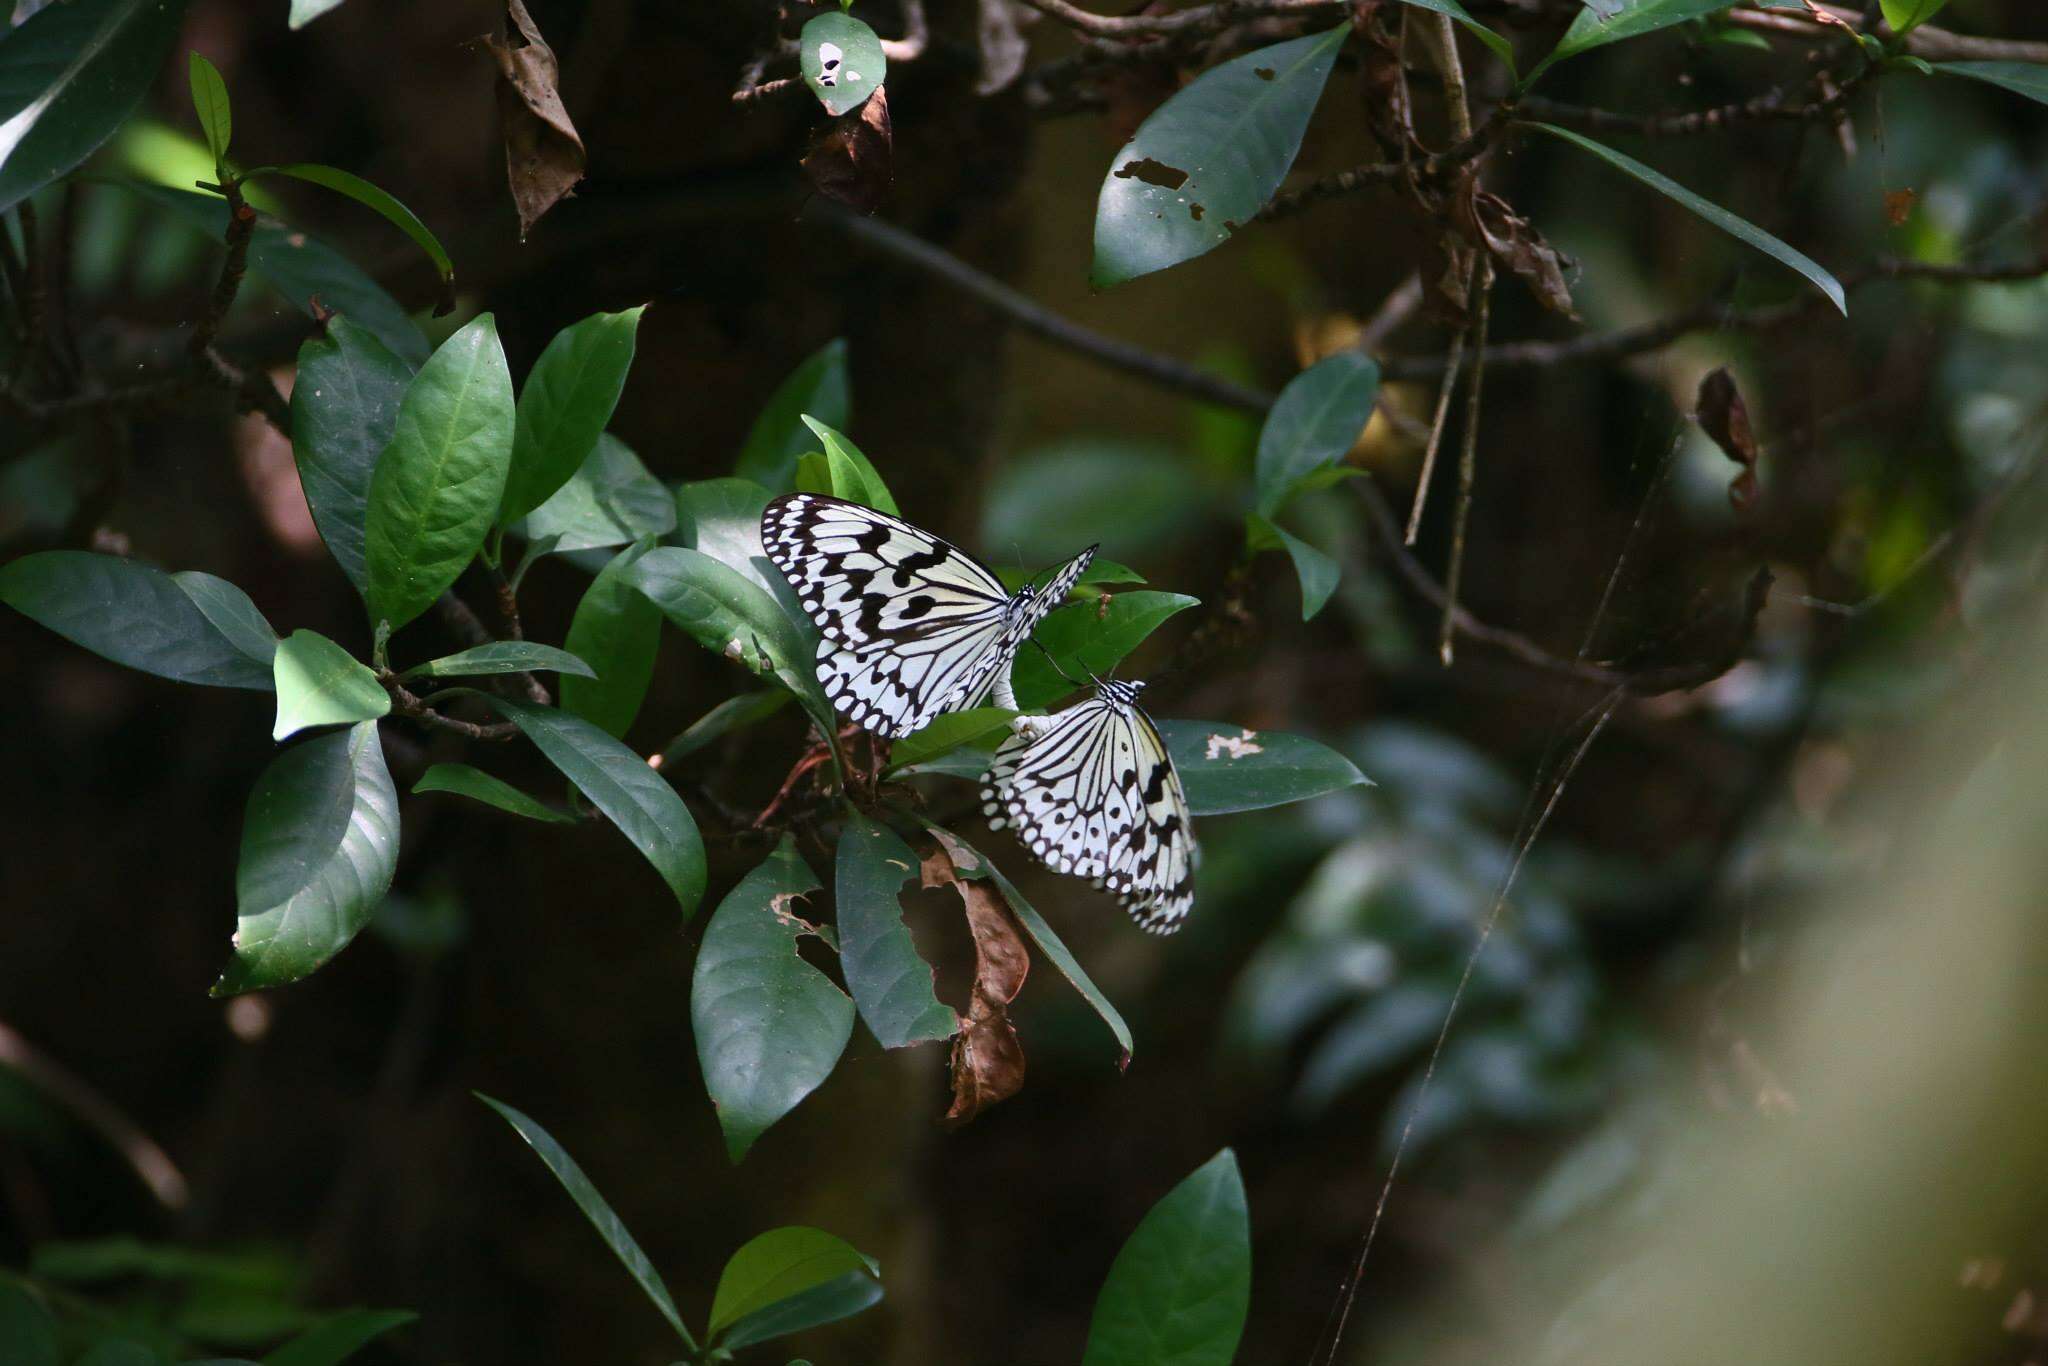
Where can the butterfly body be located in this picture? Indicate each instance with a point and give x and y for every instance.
(1093, 792)
(910, 625)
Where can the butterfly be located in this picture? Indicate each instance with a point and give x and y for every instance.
(1093, 792)
(912, 627)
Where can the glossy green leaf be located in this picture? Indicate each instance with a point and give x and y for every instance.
(28, 1333)
(344, 408)
(379, 201)
(769, 1026)
(210, 103)
(891, 985)
(621, 785)
(618, 630)
(132, 614)
(568, 399)
(1313, 425)
(1087, 638)
(722, 518)
(967, 761)
(851, 475)
(1740, 229)
(1906, 15)
(842, 61)
(1178, 1292)
(778, 1264)
(70, 75)
(608, 1225)
(1098, 572)
(1317, 572)
(474, 783)
(335, 1339)
(1232, 768)
(1207, 160)
(436, 488)
(839, 1298)
(612, 500)
(735, 713)
(504, 657)
(1632, 19)
(232, 614)
(950, 731)
(1498, 45)
(2022, 78)
(320, 684)
(319, 846)
(730, 615)
(819, 387)
(304, 12)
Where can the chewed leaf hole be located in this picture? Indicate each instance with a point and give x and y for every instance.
(1153, 173)
(1195, 212)
(1264, 73)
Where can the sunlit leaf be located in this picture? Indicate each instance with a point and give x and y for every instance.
(320, 684)
(839, 1298)
(210, 103)
(891, 985)
(379, 201)
(819, 387)
(1207, 160)
(305, 12)
(319, 847)
(842, 61)
(1234, 768)
(1906, 15)
(846, 472)
(1088, 637)
(132, 614)
(1314, 424)
(336, 1339)
(474, 783)
(618, 631)
(567, 400)
(1178, 1292)
(778, 1264)
(722, 518)
(344, 408)
(504, 657)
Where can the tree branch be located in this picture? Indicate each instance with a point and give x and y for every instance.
(1202, 18)
(1926, 41)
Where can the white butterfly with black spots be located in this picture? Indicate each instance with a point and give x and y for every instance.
(912, 626)
(1092, 792)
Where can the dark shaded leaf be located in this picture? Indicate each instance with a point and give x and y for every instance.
(1231, 768)
(1630, 20)
(891, 985)
(1085, 638)
(474, 783)
(769, 1026)
(1208, 159)
(1178, 1291)
(1317, 572)
(336, 1339)
(132, 614)
(842, 61)
(504, 657)
(735, 713)
(839, 1298)
(2022, 78)
(378, 201)
(543, 151)
(778, 1264)
(853, 159)
(612, 500)
(28, 1334)
(567, 401)
(320, 684)
(817, 387)
(119, 1352)
(1314, 423)
(618, 630)
(231, 613)
(344, 408)
(1494, 42)
(319, 846)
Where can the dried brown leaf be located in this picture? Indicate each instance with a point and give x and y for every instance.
(543, 152)
(1898, 206)
(1514, 242)
(1723, 415)
(853, 159)
(988, 1058)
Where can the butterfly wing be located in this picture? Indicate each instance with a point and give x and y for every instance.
(1153, 868)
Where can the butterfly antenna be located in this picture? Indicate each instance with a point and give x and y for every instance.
(1056, 665)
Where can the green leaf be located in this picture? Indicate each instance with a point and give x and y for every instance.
(608, 1225)
(729, 615)
(1098, 572)
(950, 731)
(619, 783)
(305, 12)
(1318, 572)
(851, 475)
(232, 614)
(1740, 229)
(1906, 15)
(1207, 160)
(722, 518)
(769, 1026)
(504, 657)
(1085, 638)
(28, 1334)
(370, 197)
(891, 985)
(842, 61)
(1231, 768)
(612, 500)
(730, 715)
(436, 488)
(619, 631)
(1131, 498)
(336, 1339)
(344, 409)
(321, 684)
(1497, 44)
(819, 387)
(133, 614)
(568, 398)
(1637, 17)
(70, 75)
(1314, 424)
(319, 846)
(970, 863)
(839, 1298)
(2022, 78)
(1177, 1293)
(778, 1264)
(119, 1352)
(210, 102)
(474, 783)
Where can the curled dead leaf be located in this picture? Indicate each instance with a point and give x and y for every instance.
(543, 151)
(1723, 416)
(1898, 206)
(988, 1058)
(1514, 242)
(853, 159)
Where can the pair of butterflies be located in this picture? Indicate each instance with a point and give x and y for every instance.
(913, 627)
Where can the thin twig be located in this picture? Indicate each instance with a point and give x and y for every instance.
(1434, 166)
(1199, 18)
(1468, 458)
(406, 703)
(150, 1163)
(1438, 421)
(1926, 41)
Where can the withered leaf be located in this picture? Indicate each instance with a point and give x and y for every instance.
(988, 1058)
(853, 159)
(1723, 416)
(1898, 206)
(1514, 242)
(543, 152)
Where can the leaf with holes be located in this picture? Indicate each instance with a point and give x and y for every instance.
(842, 61)
(1206, 161)
(1228, 768)
(891, 985)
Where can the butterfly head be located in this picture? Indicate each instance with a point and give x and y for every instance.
(1117, 691)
